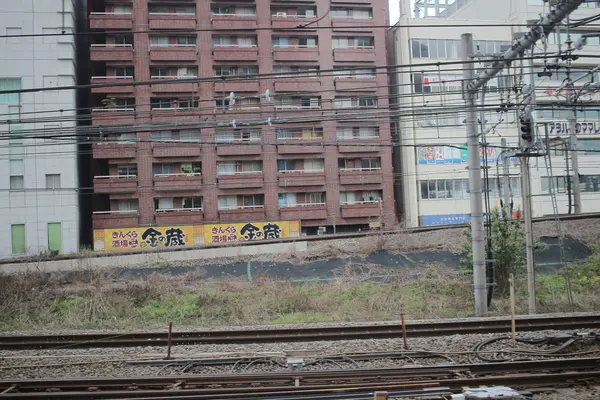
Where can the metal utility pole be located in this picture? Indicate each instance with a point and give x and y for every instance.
(505, 180)
(475, 189)
(528, 225)
(574, 160)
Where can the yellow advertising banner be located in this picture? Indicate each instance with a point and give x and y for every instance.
(142, 238)
(147, 238)
(251, 231)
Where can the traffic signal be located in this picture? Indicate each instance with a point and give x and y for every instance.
(526, 131)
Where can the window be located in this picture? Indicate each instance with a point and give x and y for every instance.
(340, 42)
(127, 40)
(241, 135)
(239, 167)
(589, 146)
(308, 165)
(221, 10)
(367, 102)
(347, 133)
(191, 168)
(241, 202)
(192, 203)
(306, 12)
(222, 41)
(280, 42)
(10, 84)
(301, 199)
(123, 71)
(223, 71)
(360, 197)
(186, 41)
(163, 169)
(364, 42)
(17, 236)
(52, 181)
(15, 32)
(449, 48)
(127, 170)
(247, 71)
(307, 42)
(159, 41)
(559, 184)
(17, 172)
(127, 205)
(590, 183)
(164, 203)
(246, 41)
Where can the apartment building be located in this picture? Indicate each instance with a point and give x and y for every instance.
(432, 161)
(283, 133)
(39, 210)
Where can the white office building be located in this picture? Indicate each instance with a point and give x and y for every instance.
(39, 210)
(431, 160)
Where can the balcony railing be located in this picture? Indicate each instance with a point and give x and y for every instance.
(354, 47)
(115, 109)
(176, 175)
(293, 107)
(159, 45)
(285, 15)
(116, 177)
(116, 212)
(295, 46)
(233, 208)
(111, 13)
(234, 15)
(301, 171)
(360, 169)
(356, 77)
(239, 173)
(173, 77)
(113, 77)
(169, 210)
(230, 46)
(349, 203)
(226, 141)
(302, 205)
(105, 45)
(171, 14)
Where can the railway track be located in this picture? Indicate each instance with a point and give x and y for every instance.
(273, 335)
(309, 384)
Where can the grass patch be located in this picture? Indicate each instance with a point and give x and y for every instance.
(97, 300)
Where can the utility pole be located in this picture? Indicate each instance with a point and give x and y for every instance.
(506, 180)
(471, 85)
(476, 192)
(574, 160)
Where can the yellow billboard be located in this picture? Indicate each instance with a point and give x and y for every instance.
(142, 238)
(251, 231)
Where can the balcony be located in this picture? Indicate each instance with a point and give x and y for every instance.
(340, 23)
(360, 54)
(113, 116)
(172, 21)
(235, 53)
(183, 87)
(358, 176)
(114, 150)
(297, 84)
(111, 20)
(301, 178)
(297, 53)
(179, 216)
(253, 213)
(300, 147)
(173, 53)
(115, 219)
(241, 180)
(163, 150)
(236, 85)
(360, 210)
(111, 52)
(343, 2)
(239, 21)
(303, 212)
(177, 182)
(115, 184)
(241, 149)
(359, 145)
(109, 80)
(286, 21)
(366, 83)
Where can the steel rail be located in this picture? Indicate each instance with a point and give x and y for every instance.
(300, 334)
(213, 385)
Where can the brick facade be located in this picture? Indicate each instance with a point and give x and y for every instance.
(146, 152)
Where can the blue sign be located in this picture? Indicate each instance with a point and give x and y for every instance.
(447, 219)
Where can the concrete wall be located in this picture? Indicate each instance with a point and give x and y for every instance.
(154, 259)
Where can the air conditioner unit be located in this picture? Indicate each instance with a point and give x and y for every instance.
(281, 14)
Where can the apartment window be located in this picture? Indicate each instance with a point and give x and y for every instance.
(192, 203)
(15, 32)
(221, 10)
(17, 238)
(159, 72)
(127, 205)
(367, 102)
(124, 40)
(127, 170)
(307, 42)
(306, 12)
(222, 41)
(164, 203)
(10, 84)
(280, 42)
(123, 71)
(246, 41)
(248, 70)
(307, 165)
(176, 136)
(186, 41)
(287, 70)
(340, 42)
(301, 199)
(241, 135)
(309, 133)
(360, 164)
(360, 197)
(241, 202)
(449, 48)
(362, 132)
(239, 167)
(17, 172)
(191, 168)
(364, 42)
(163, 169)
(223, 71)
(52, 181)
(351, 13)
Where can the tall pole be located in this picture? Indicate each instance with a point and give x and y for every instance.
(526, 191)
(477, 228)
(505, 180)
(574, 161)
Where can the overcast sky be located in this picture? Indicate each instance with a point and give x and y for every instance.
(394, 11)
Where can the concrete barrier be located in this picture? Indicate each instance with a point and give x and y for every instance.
(154, 259)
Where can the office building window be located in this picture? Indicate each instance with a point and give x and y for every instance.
(52, 181)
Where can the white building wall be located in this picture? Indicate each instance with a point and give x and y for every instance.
(40, 62)
(414, 130)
